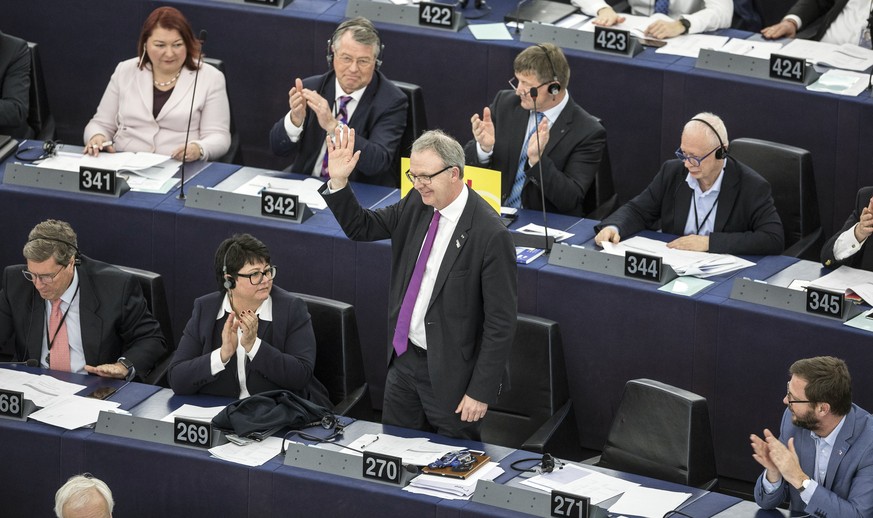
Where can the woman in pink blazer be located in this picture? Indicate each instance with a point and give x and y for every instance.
(146, 105)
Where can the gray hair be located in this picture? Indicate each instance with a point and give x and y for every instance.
(716, 122)
(78, 492)
(363, 31)
(447, 148)
(51, 239)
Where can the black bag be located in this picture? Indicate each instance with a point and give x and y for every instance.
(271, 410)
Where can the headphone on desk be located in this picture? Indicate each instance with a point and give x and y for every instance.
(554, 85)
(360, 24)
(722, 151)
(49, 149)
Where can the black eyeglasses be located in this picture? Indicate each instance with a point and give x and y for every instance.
(695, 161)
(788, 396)
(258, 277)
(425, 179)
(44, 278)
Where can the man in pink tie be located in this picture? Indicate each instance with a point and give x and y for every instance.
(72, 313)
(453, 295)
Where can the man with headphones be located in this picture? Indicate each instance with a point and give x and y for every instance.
(72, 313)
(568, 142)
(714, 202)
(354, 93)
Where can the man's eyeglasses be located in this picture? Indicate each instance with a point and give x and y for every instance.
(695, 161)
(364, 63)
(788, 396)
(44, 278)
(425, 179)
(258, 277)
(513, 82)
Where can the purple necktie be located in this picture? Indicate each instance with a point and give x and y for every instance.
(401, 332)
(342, 115)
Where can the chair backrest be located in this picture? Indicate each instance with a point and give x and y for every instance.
(538, 384)
(416, 118)
(39, 116)
(662, 432)
(152, 285)
(339, 363)
(789, 171)
(234, 152)
(601, 200)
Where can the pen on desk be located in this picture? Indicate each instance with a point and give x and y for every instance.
(365, 446)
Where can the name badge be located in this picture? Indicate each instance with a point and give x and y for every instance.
(11, 403)
(92, 179)
(642, 266)
(382, 467)
(824, 302)
(192, 433)
(611, 40)
(436, 15)
(565, 505)
(788, 68)
(279, 205)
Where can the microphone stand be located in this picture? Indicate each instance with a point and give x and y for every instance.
(534, 92)
(202, 38)
(518, 16)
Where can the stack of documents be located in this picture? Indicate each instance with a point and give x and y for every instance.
(849, 280)
(539, 230)
(635, 500)
(453, 488)
(253, 453)
(847, 56)
(306, 190)
(144, 172)
(42, 389)
(683, 262)
(418, 451)
(71, 412)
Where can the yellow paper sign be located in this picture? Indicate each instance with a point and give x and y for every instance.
(486, 182)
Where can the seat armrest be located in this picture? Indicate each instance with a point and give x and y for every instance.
(357, 404)
(808, 247)
(557, 435)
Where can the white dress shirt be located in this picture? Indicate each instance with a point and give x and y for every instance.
(704, 15)
(69, 304)
(847, 26)
(704, 202)
(449, 217)
(294, 132)
(264, 312)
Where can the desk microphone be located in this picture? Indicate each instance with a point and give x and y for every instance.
(533, 95)
(518, 15)
(29, 363)
(202, 38)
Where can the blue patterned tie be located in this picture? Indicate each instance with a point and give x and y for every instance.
(342, 116)
(662, 6)
(514, 199)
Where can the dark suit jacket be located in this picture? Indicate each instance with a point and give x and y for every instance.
(470, 321)
(14, 86)
(863, 258)
(746, 222)
(848, 487)
(379, 121)
(570, 159)
(285, 359)
(817, 16)
(114, 317)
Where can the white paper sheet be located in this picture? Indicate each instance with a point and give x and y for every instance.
(71, 412)
(647, 502)
(196, 413)
(252, 454)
